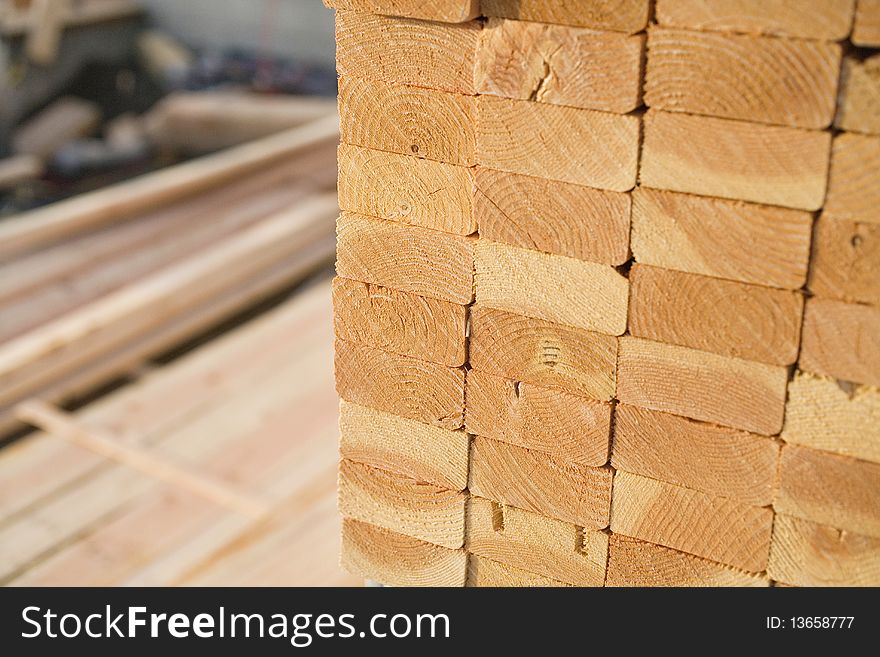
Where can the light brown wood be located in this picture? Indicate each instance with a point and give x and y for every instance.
(19, 169)
(854, 179)
(535, 543)
(782, 81)
(700, 385)
(859, 96)
(574, 493)
(408, 120)
(552, 216)
(830, 19)
(401, 504)
(716, 528)
(456, 11)
(16, 23)
(866, 25)
(829, 489)
(560, 65)
(632, 562)
(724, 317)
(542, 353)
(697, 455)
(420, 451)
(573, 145)
(407, 258)
(47, 28)
(804, 553)
(484, 572)
(554, 288)
(619, 15)
(404, 323)
(832, 416)
(727, 239)
(64, 120)
(846, 261)
(734, 159)
(394, 559)
(407, 190)
(568, 427)
(418, 53)
(841, 340)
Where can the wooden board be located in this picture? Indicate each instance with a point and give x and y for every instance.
(585, 295)
(725, 317)
(866, 25)
(829, 489)
(804, 553)
(568, 427)
(536, 544)
(483, 572)
(409, 120)
(846, 261)
(782, 81)
(574, 493)
(507, 140)
(854, 179)
(407, 258)
(740, 241)
(456, 11)
(420, 451)
(698, 455)
(859, 96)
(542, 353)
(716, 528)
(401, 385)
(65, 120)
(700, 385)
(734, 159)
(560, 65)
(841, 340)
(419, 53)
(832, 416)
(632, 562)
(619, 15)
(552, 216)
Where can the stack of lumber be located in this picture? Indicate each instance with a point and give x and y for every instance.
(607, 295)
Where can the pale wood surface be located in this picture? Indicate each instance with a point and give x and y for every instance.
(716, 528)
(859, 96)
(63, 121)
(542, 353)
(735, 159)
(701, 385)
(554, 288)
(454, 11)
(552, 216)
(618, 15)
(866, 25)
(846, 261)
(483, 572)
(854, 179)
(18, 169)
(544, 485)
(568, 427)
(841, 340)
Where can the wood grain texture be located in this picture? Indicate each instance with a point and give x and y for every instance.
(552, 216)
(542, 353)
(841, 340)
(700, 385)
(554, 288)
(407, 258)
(828, 20)
(560, 65)
(627, 16)
(753, 78)
(846, 261)
(829, 489)
(716, 528)
(407, 190)
(804, 553)
(734, 159)
(535, 543)
(698, 455)
(401, 385)
(483, 572)
(825, 414)
(725, 317)
(420, 451)
(859, 96)
(866, 25)
(536, 482)
(397, 560)
(401, 322)
(632, 562)
(401, 504)
(414, 52)
(854, 179)
(568, 427)
(579, 146)
(454, 11)
(727, 239)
